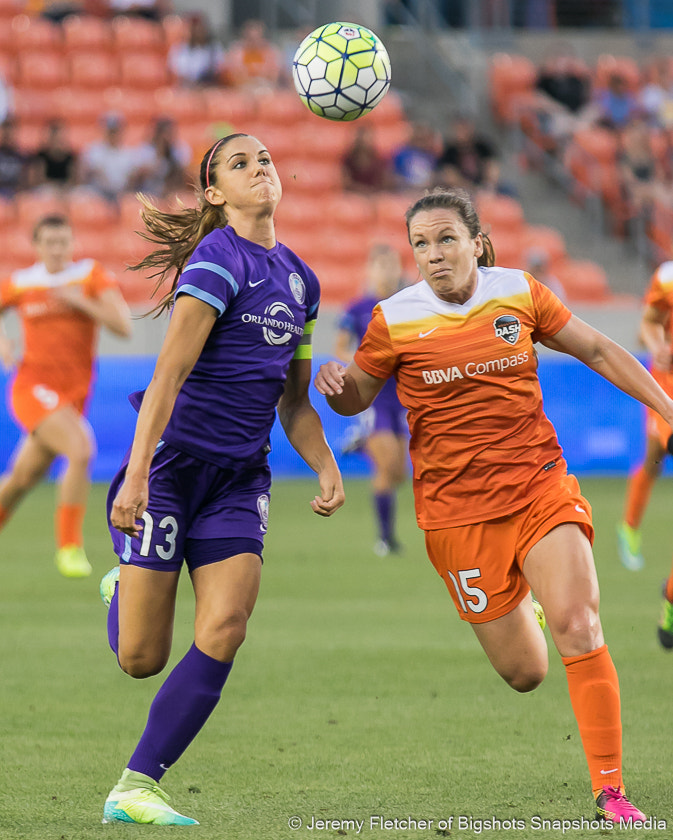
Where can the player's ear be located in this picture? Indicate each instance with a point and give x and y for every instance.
(214, 196)
(478, 245)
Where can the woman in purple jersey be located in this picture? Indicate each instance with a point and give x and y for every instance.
(195, 484)
(381, 430)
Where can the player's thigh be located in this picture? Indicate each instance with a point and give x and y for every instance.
(561, 571)
(67, 432)
(30, 461)
(388, 454)
(515, 646)
(225, 594)
(146, 616)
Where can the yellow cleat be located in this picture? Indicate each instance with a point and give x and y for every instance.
(72, 563)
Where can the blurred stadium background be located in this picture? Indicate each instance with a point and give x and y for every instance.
(481, 58)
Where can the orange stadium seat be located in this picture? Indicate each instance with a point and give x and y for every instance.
(229, 106)
(306, 175)
(29, 137)
(41, 69)
(300, 213)
(282, 107)
(18, 249)
(144, 70)
(34, 107)
(339, 284)
(83, 134)
(608, 65)
(319, 139)
(500, 212)
(93, 70)
(83, 33)
(89, 211)
(349, 212)
(77, 106)
(176, 29)
(390, 211)
(35, 33)
(184, 105)
(10, 9)
(93, 244)
(389, 111)
(31, 206)
(134, 34)
(546, 239)
(583, 280)
(136, 105)
(511, 77)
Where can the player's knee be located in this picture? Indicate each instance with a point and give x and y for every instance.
(224, 636)
(578, 626)
(140, 665)
(526, 679)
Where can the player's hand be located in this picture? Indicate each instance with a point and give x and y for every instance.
(329, 380)
(128, 507)
(332, 494)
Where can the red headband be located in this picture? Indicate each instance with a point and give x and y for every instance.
(210, 157)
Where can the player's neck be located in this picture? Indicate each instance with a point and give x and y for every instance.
(260, 230)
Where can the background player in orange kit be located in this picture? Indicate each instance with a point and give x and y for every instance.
(655, 333)
(60, 303)
(500, 513)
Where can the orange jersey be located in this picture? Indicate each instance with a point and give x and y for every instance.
(660, 295)
(481, 445)
(59, 342)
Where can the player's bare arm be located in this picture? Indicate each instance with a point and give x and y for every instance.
(109, 308)
(349, 390)
(189, 328)
(7, 358)
(303, 428)
(654, 336)
(612, 362)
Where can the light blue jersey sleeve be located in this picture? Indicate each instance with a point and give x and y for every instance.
(211, 275)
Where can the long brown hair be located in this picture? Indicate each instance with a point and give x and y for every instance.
(458, 200)
(178, 233)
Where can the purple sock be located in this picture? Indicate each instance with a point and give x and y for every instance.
(113, 622)
(385, 510)
(182, 706)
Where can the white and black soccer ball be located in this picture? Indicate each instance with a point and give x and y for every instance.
(341, 71)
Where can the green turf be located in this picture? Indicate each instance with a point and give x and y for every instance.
(357, 694)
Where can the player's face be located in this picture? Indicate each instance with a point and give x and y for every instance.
(54, 247)
(445, 253)
(245, 177)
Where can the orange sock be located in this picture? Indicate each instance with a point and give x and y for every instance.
(594, 694)
(669, 587)
(69, 519)
(4, 515)
(637, 497)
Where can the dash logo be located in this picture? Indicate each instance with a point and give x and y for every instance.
(508, 328)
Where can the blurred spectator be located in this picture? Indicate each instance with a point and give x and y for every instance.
(149, 9)
(55, 162)
(200, 59)
(536, 262)
(563, 88)
(469, 160)
(656, 96)
(163, 161)
(252, 61)
(6, 100)
(110, 166)
(414, 162)
(14, 169)
(642, 178)
(616, 105)
(364, 168)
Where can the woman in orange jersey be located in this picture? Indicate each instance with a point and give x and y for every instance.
(60, 303)
(500, 513)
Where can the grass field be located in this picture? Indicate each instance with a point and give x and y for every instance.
(358, 694)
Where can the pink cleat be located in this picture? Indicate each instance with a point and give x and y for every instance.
(612, 805)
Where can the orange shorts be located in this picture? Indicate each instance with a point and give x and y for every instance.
(33, 401)
(482, 563)
(656, 427)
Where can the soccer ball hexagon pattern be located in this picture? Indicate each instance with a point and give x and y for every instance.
(341, 71)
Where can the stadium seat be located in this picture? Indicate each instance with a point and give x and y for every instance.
(77, 106)
(89, 211)
(9, 9)
(83, 134)
(390, 137)
(543, 238)
(349, 212)
(134, 35)
(35, 33)
(305, 175)
(229, 106)
(389, 111)
(282, 107)
(510, 78)
(390, 211)
(183, 105)
(176, 29)
(93, 70)
(500, 212)
(319, 139)
(137, 105)
(18, 248)
(608, 65)
(29, 136)
(143, 70)
(86, 33)
(339, 284)
(34, 107)
(300, 213)
(40, 69)
(31, 206)
(583, 280)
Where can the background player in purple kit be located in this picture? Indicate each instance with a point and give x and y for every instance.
(195, 484)
(381, 430)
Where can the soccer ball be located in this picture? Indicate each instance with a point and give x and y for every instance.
(341, 71)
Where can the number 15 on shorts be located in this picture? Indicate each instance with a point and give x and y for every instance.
(470, 597)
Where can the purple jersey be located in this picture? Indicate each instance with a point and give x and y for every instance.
(355, 320)
(265, 301)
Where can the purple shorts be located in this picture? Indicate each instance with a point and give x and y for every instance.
(385, 417)
(197, 512)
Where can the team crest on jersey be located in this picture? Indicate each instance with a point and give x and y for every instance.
(263, 510)
(508, 328)
(297, 287)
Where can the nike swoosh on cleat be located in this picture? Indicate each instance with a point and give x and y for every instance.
(256, 282)
(424, 334)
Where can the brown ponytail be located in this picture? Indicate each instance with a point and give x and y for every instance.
(178, 233)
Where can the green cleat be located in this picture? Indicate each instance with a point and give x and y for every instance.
(71, 562)
(146, 804)
(628, 545)
(665, 628)
(539, 614)
(108, 585)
